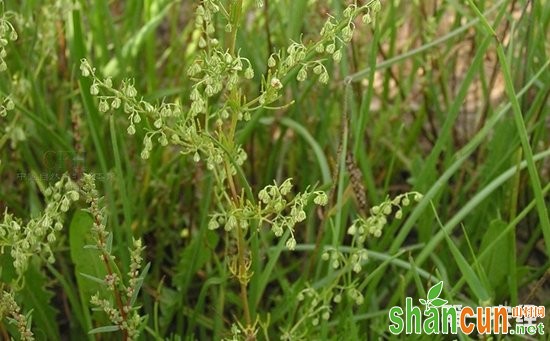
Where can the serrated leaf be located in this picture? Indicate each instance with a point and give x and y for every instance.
(435, 291)
(438, 302)
(104, 329)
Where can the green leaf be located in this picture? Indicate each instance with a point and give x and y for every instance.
(423, 301)
(93, 278)
(435, 291)
(468, 272)
(139, 283)
(38, 298)
(104, 329)
(497, 267)
(89, 269)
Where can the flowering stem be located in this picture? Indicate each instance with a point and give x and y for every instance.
(106, 257)
(241, 247)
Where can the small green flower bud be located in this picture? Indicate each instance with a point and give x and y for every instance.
(158, 123)
(276, 83)
(323, 78)
(209, 91)
(249, 73)
(399, 214)
(163, 140)
(84, 68)
(367, 19)
(51, 238)
(302, 74)
(94, 89)
(194, 69)
(202, 43)
(130, 91)
(337, 56)
(376, 6)
(115, 104)
(213, 224)
(9, 104)
(321, 199)
(318, 69)
(148, 107)
(347, 34)
(103, 106)
(271, 61)
(210, 29)
(348, 12)
(291, 243)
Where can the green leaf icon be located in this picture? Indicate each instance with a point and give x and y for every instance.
(422, 301)
(435, 291)
(438, 302)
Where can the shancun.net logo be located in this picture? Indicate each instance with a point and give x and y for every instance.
(438, 317)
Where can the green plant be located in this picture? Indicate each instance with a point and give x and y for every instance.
(240, 170)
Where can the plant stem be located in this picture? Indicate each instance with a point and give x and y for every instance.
(106, 257)
(234, 20)
(241, 248)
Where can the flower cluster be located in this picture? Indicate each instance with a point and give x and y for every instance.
(355, 260)
(274, 208)
(6, 105)
(318, 304)
(91, 195)
(171, 123)
(126, 97)
(36, 237)
(373, 225)
(7, 34)
(335, 34)
(124, 316)
(10, 309)
(362, 228)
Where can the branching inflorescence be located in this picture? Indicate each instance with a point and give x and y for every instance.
(122, 313)
(218, 102)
